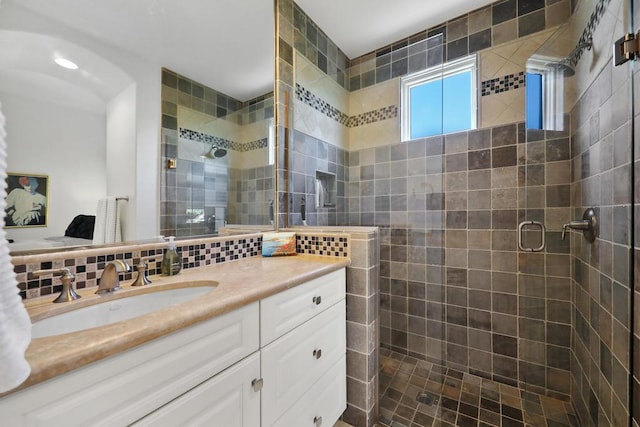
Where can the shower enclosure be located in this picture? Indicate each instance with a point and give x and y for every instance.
(506, 267)
(523, 316)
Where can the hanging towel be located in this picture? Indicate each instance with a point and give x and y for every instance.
(15, 325)
(108, 228)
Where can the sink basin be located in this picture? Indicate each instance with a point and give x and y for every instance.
(113, 311)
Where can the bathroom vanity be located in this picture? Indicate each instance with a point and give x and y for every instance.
(244, 354)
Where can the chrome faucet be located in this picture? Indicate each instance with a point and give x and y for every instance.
(110, 279)
(66, 277)
(588, 224)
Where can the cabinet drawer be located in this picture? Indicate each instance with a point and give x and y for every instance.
(123, 388)
(295, 361)
(324, 403)
(282, 312)
(225, 400)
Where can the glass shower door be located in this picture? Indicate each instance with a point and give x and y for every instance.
(576, 179)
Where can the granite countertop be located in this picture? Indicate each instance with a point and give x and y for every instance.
(239, 283)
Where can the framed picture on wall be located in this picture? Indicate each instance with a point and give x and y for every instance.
(26, 202)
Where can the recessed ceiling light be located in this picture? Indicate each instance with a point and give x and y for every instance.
(65, 63)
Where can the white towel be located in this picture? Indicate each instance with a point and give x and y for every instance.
(15, 325)
(108, 228)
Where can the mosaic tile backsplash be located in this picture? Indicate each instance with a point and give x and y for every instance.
(87, 265)
(322, 245)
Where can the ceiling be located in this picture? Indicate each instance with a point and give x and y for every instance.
(228, 44)
(224, 44)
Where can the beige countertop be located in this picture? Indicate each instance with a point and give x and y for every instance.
(239, 283)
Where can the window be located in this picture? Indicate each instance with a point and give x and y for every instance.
(544, 92)
(439, 100)
(533, 116)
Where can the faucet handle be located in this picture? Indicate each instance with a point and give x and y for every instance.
(67, 293)
(580, 224)
(588, 225)
(141, 267)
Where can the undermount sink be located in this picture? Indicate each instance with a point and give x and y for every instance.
(115, 310)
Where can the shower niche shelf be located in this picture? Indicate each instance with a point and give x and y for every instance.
(325, 190)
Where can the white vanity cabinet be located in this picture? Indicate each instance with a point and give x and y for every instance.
(124, 388)
(279, 361)
(303, 340)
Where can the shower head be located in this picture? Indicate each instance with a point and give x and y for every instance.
(219, 152)
(214, 152)
(564, 67)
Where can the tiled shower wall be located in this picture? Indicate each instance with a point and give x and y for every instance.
(601, 166)
(309, 156)
(454, 288)
(250, 193)
(601, 178)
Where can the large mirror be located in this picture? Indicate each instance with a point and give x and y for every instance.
(159, 84)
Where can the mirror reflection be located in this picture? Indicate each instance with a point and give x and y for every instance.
(99, 131)
(217, 157)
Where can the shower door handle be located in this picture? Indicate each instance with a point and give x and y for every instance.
(521, 230)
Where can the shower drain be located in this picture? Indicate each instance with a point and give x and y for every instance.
(427, 398)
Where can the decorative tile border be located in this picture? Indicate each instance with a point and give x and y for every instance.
(488, 87)
(321, 105)
(503, 84)
(313, 101)
(390, 112)
(254, 145)
(592, 24)
(193, 135)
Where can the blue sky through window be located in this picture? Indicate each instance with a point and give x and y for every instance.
(426, 109)
(441, 106)
(533, 117)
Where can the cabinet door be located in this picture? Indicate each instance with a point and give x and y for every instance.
(282, 312)
(226, 400)
(294, 362)
(123, 388)
(323, 404)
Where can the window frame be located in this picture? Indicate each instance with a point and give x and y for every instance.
(440, 72)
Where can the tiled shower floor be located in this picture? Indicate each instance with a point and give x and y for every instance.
(453, 398)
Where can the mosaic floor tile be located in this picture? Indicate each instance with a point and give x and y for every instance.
(417, 393)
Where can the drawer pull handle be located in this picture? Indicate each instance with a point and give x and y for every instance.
(257, 384)
(317, 421)
(317, 300)
(317, 353)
